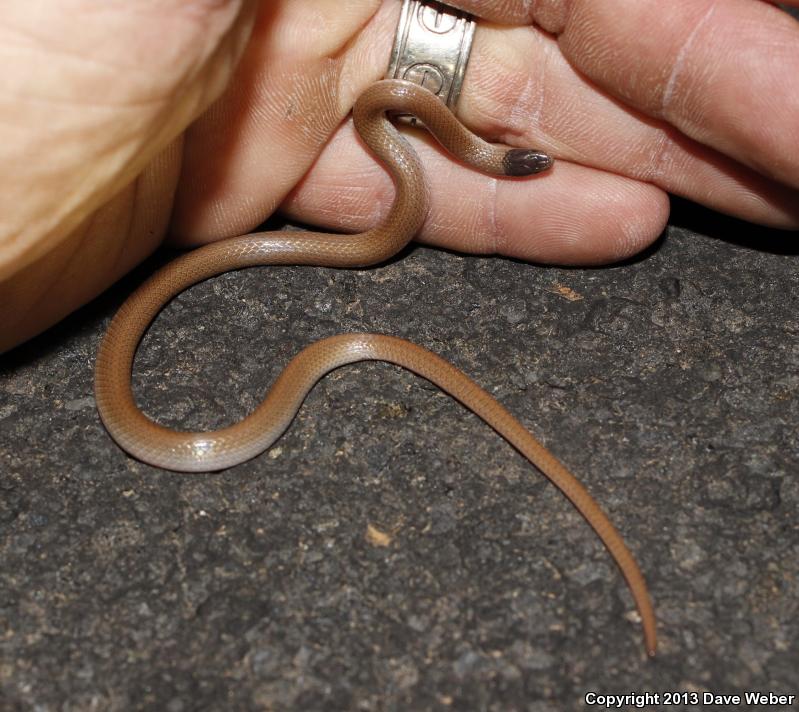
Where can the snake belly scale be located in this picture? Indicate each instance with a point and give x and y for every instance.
(209, 451)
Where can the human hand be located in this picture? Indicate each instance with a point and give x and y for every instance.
(94, 98)
(635, 98)
(599, 93)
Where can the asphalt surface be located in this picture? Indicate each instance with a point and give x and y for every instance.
(391, 552)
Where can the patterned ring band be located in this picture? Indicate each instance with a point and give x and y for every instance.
(432, 48)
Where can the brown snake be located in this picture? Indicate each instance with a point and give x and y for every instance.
(208, 451)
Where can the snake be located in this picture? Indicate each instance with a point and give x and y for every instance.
(372, 114)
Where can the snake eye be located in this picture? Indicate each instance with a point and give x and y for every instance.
(525, 162)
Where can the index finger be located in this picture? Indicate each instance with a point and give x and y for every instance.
(724, 73)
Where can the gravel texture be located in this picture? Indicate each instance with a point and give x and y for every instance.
(391, 552)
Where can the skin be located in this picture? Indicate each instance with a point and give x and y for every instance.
(108, 144)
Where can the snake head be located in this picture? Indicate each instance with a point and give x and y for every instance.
(525, 162)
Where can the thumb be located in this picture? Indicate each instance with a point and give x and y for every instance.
(90, 93)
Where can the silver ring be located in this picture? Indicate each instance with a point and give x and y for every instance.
(432, 48)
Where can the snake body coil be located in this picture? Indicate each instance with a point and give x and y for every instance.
(208, 451)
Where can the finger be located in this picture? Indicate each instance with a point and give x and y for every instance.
(571, 215)
(293, 87)
(90, 92)
(724, 73)
(521, 90)
(524, 12)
